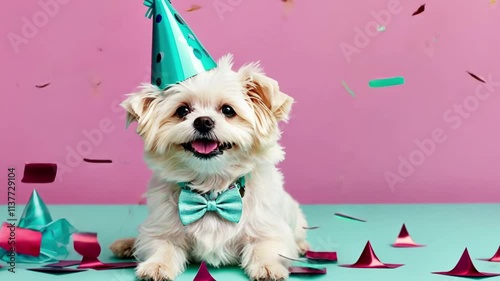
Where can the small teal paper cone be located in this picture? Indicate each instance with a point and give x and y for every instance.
(177, 54)
(55, 234)
(36, 214)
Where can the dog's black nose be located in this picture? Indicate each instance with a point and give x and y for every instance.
(203, 124)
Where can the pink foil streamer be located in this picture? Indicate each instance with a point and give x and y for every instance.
(495, 258)
(86, 244)
(203, 274)
(348, 217)
(368, 259)
(465, 268)
(321, 256)
(404, 240)
(297, 270)
(28, 242)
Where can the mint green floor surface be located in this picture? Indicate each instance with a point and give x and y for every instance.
(445, 229)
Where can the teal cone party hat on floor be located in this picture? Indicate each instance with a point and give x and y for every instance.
(177, 53)
(35, 214)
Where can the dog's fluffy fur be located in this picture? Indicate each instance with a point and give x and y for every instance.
(272, 223)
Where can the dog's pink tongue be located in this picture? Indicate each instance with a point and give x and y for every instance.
(204, 147)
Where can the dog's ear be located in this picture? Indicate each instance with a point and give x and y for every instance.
(139, 104)
(264, 92)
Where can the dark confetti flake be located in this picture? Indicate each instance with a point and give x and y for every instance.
(420, 10)
(42, 86)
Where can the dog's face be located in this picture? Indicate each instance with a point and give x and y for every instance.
(216, 122)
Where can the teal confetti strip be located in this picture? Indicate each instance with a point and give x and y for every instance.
(344, 216)
(386, 82)
(347, 89)
(381, 28)
(308, 265)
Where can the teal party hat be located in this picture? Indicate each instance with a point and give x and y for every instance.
(35, 214)
(177, 53)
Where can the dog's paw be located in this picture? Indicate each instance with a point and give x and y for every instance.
(123, 248)
(268, 272)
(303, 247)
(155, 271)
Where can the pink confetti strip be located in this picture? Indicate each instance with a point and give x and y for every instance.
(321, 256)
(297, 270)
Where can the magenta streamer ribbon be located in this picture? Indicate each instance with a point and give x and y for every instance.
(21, 241)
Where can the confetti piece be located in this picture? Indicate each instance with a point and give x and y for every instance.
(495, 258)
(297, 260)
(420, 10)
(476, 77)
(404, 240)
(368, 259)
(386, 82)
(65, 263)
(42, 86)
(97, 160)
(308, 265)
(39, 173)
(321, 256)
(465, 268)
(203, 274)
(381, 28)
(295, 270)
(348, 217)
(311, 227)
(193, 8)
(56, 271)
(347, 89)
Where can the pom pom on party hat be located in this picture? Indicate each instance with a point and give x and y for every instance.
(177, 53)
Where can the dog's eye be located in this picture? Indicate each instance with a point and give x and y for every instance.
(182, 111)
(228, 111)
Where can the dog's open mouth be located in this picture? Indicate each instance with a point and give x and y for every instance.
(206, 148)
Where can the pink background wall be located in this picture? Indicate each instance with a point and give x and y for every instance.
(339, 147)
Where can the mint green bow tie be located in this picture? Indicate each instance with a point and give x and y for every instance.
(193, 206)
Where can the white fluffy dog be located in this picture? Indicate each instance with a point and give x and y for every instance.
(209, 131)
